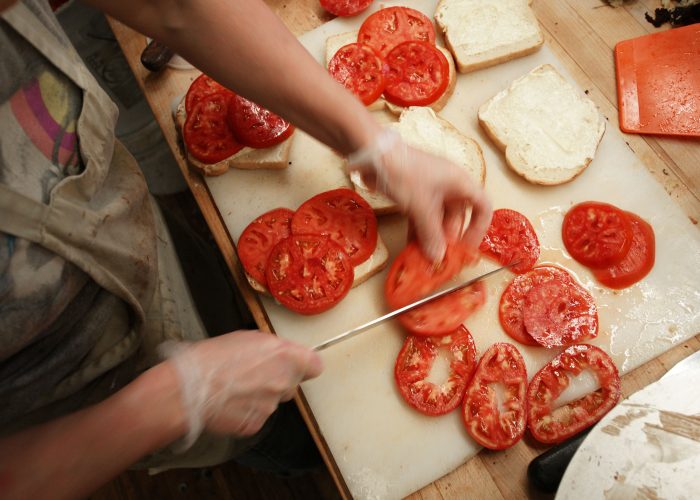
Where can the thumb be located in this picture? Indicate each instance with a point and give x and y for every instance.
(428, 225)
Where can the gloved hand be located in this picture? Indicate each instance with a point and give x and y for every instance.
(232, 383)
(434, 192)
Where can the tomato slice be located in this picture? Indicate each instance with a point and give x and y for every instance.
(638, 261)
(417, 74)
(206, 132)
(258, 239)
(510, 308)
(345, 7)
(558, 313)
(492, 428)
(202, 86)
(413, 366)
(345, 217)
(308, 273)
(596, 234)
(553, 425)
(360, 70)
(387, 28)
(510, 238)
(256, 126)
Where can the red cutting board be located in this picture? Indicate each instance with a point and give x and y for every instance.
(658, 82)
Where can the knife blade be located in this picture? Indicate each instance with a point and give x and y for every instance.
(371, 324)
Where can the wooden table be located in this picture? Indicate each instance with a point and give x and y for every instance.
(583, 34)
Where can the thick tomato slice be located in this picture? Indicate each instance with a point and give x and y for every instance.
(387, 28)
(206, 132)
(558, 314)
(510, 308)
(492, 428)
(256, 126)
(596, 234)
(510, 238)
(258, 239)
(417, 74)
(345, 7)
(202, 86)
(413, 366)
(345, 217)
(553, 425)
(360, 70)
(308, 273)
(638, 261)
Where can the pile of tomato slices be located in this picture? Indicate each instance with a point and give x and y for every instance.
(220, 123)
(306, 258)
(395, 55)
(618, 246)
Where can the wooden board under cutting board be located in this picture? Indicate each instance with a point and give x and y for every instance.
(383, 448)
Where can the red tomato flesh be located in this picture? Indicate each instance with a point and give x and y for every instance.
(308, 274)
(388, 27)
(501, 364)
(345, 7)
(345, 217)
(417, 74)
(206, 132)
(638, 261)
(413, 366)
(553, 425)
(256, 126)
(560, 313)
(511, 238)
(596, 234)
(258, 239)
(202, 86)
(360, 70)
(510, 308)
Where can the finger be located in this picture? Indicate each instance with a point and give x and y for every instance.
(428, 224)
(478, 222)
(307, 363)
(455, 215)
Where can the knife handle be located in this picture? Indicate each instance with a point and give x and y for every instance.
(545, 471)
(155, 56)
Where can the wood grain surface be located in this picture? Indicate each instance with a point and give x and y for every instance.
(583, 34)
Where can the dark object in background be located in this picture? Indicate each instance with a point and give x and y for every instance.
(678, 16)
(155, 56)
(545, 471)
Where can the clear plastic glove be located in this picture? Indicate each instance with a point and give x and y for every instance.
(434, 192)
(231, 384)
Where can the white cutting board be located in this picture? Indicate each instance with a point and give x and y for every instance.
(383, 448)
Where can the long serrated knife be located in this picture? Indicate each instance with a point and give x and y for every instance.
(401, 310)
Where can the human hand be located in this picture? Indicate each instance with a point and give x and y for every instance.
(232, 383)
(434, 192)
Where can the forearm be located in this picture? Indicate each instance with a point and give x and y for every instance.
(244, 46)
(72, 456)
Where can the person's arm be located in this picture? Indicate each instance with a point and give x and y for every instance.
(241, 376)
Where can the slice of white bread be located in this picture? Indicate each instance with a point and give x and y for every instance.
(548, 129)
(421, 128)
(375, 263)
(482, 33)
(275, 157)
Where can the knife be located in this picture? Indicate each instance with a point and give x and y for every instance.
(401, 310)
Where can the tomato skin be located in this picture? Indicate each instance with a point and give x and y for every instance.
(501, 363)
(258, 239)
(596, 234)
(510, 238)
(202, 86)
(345, 8)
(360, 70)
(510, 308)
(206, 133)
(548, 425)
(345, 217)
(308, 274)
(413, 366)
(255, 126)
(388, 27)
(417, 75)
(638, 261)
